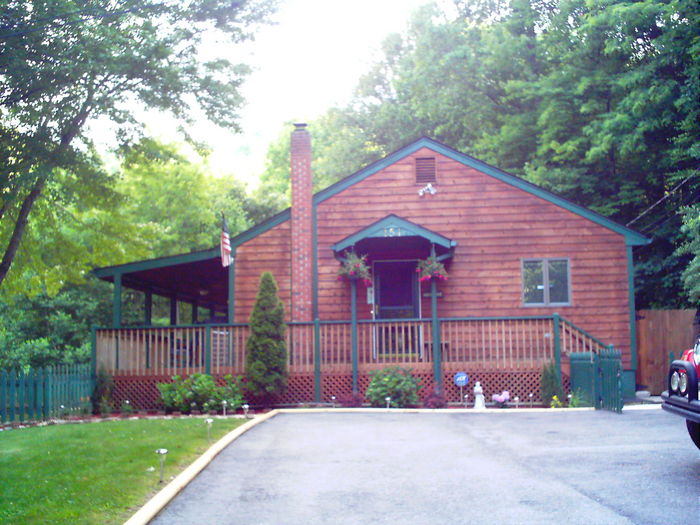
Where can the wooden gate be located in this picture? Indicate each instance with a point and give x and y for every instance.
(597, 378)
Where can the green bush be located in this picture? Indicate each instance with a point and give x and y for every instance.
(394, 382)
(550, 386)
(102, 393)
(266, 348)
(200, 392)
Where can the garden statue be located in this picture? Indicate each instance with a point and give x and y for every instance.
(479, 403)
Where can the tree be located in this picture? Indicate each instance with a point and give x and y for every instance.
(266, 353)
(65, 62)
(691, 274)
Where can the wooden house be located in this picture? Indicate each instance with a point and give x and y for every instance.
(532, 277)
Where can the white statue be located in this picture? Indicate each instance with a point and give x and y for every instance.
(479, 403)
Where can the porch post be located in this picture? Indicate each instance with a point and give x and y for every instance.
(173, 310)
(148, 309)
(353, 343)
(117, 301)
(557, 344)
(437, 350)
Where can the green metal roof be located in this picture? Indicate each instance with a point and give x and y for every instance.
(393, 226)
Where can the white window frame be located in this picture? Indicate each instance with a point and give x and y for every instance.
(544, 261)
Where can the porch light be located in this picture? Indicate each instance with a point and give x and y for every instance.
(162, 453)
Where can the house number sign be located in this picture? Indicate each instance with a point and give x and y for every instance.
(393, 231)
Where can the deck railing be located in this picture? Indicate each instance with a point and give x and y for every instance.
(487, 343)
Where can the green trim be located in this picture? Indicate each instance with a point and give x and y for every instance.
(582, 331)
(261, 228)
(632, 311)
(353, 334)
(437, 343)
(207, 350)
(557, 344)
(161, 262)
(631, 237)
(117, 301)
(393, 226)
(231, 307)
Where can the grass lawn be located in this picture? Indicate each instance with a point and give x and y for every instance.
(94, 472)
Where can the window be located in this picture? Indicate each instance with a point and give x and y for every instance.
(546, 282)
(425, 170)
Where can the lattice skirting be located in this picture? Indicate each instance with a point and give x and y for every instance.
(142, 393)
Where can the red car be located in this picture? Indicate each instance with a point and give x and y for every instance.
(682, 395)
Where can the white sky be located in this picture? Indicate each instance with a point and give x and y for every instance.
(310, 61)
(306, 63)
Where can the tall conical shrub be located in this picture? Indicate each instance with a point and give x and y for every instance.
(266, 359)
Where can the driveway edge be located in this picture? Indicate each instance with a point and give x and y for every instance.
(149, 511)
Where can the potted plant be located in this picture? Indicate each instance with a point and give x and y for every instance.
(355, 267)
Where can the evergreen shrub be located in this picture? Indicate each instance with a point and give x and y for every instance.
(550, 386)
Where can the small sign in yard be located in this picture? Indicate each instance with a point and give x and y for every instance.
(461, 379)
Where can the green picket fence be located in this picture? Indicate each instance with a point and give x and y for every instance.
(44, 393)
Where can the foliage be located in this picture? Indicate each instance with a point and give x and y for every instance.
(266, 357)
(127, 408)
(431, 268)
(555, 402)
(102, 393)
(68, 473)
(350, 400)
(199, 392)
(550, 386)
(576, 399)
(691, 274)
(355, 267)
(434, 400)
(64, 65)
(105, 406)
(395, 382)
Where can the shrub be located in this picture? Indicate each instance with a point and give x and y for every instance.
(102, 394)
(350, 400)
(434, 400)
(200, 392)
(266, 359)
(550, 385)
(395, 382)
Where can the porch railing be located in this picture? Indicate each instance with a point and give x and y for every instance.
(486, 343)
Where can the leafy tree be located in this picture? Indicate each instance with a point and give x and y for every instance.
(691, 274)
(65, 62)
(266, 352)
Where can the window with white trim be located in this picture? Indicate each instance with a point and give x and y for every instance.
(546, 282)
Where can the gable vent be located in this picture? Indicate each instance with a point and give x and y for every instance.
(425, 170)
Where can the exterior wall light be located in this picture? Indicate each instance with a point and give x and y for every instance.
(429, 188)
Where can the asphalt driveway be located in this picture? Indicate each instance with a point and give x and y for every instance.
(433, 468)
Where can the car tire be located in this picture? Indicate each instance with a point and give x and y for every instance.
(694, 431)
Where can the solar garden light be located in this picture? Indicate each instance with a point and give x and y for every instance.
(466, 400)
(531, 396)
(569, 398)
(162, 452)
(333, 401)
(223, 404)
(209, 421)
(245, 410)
(517, 401)
(388, 401)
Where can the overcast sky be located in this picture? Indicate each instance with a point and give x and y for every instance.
(310, 61)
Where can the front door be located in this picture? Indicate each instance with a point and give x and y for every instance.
(396, 291)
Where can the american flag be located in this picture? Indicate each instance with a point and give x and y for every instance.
(226, 258)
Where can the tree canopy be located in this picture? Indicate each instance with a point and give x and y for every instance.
(64, 62)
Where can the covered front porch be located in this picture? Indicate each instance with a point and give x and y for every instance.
(329, 359)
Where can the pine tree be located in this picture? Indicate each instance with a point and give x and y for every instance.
(266, 360)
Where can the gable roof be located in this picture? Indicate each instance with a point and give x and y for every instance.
(632, 238)
(399, 227)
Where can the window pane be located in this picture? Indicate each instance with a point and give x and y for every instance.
(533, 286)
(558, 282)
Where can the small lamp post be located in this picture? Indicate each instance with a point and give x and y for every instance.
(333, 401)
(531, 395)
(517, 401)
(223, 404)
(466, 400)
(162, 452)
(245, 410)
(209, 421)
(388, 401)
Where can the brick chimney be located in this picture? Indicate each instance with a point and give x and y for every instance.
(301, 225)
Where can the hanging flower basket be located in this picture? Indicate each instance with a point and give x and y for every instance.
(355, 267)
(431, 268)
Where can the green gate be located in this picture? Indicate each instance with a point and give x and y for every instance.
(597, 378)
